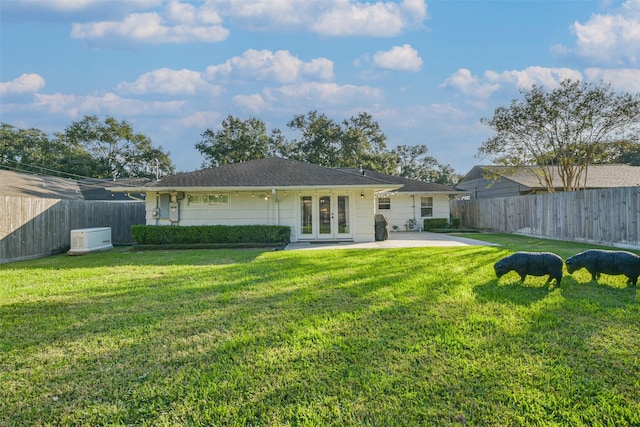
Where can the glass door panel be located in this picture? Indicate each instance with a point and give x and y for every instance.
(325, 215)
(306, 215)
(343, 215)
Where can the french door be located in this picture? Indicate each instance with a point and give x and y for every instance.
(325, 217)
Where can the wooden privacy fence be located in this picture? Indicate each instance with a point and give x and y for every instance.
(609, 216)
(33, 227)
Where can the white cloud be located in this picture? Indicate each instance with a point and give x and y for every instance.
(254, 103)
(468, 84)
(624, 79)
(483, 87)
(281, 67)
(26, 83)
(199, 120)
(401, 58)
(74, 106)
(314, 93)
(613, 38)
(329, 17)
(178, 23)
(380, 19)
(170, 82)
(541, 76)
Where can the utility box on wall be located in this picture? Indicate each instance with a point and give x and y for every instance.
(87, 240)
(174, 212)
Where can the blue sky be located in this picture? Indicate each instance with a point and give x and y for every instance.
(427, 71)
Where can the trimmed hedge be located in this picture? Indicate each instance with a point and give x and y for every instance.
(210, 234)
(431, 223)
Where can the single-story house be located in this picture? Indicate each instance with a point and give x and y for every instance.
(318, 203)
(483, 182)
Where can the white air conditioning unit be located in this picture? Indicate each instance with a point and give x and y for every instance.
(85, 240)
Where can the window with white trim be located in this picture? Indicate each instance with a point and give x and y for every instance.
(426, 206)
(208, 199)
(384, 203)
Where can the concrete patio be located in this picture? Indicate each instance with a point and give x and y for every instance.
(401, 239)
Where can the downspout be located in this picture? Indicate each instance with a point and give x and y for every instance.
(277, 200)
(157, 208)
(413, 198)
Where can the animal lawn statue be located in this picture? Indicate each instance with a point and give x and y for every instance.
(598, 261)
(531, 264)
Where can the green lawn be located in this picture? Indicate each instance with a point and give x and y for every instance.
(406, 337)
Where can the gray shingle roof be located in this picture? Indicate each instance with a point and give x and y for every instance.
(20, 184)
(408, 185)
(598, 176)
(38, 186)
(269, 172)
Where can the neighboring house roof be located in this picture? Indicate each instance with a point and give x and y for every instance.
(99, 189)
(598, 176)
(50, 187)
(38, 186)
(408, 185)
(267, 173)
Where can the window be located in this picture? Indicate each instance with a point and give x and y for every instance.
(208, 199)
(384, 203)
(426, 206)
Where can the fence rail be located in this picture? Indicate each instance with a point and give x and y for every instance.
(608, 216)
(34, 227)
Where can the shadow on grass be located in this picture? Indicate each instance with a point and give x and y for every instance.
(608, 292)
(127, 256)
(511, 292)
(345, 337)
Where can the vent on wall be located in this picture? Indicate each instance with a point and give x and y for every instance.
(87, 240)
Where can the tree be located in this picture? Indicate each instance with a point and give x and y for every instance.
(560, 130)
(320, 142)
(356, 142)
(118, 152)
(363, 144)
(31, 150)
(623, 152)
(238, 141)
(415, 164)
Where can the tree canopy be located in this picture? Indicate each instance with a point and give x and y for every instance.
(118, 152)
(355, 142)
(87, 148)
(352, 143)
(562, 130)
(238, 141)
(415, 164)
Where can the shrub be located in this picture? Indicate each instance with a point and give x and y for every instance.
(455, 223)
(210, 234)
(431, 223)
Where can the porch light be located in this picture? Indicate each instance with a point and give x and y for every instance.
(362, 195)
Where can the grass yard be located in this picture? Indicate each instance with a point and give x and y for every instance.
(380, 337)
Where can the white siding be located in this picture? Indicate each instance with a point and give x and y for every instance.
(407, 206)
(247, 208)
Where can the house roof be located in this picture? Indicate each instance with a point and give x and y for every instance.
(19, 184)
(598, 176)
(269, 172)
(99, 189)
(408, 185)
(37, 186)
